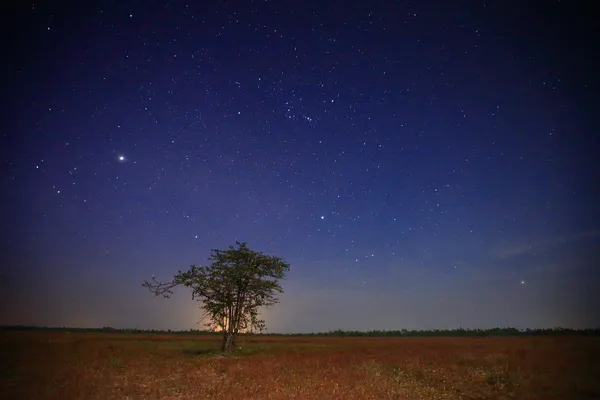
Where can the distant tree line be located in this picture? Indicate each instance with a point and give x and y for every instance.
(106, 329)
(459, 332)
(337, 333)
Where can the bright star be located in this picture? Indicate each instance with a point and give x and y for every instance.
(322, 217)
(121, 158)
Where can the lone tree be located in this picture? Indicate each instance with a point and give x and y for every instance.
(237, 283)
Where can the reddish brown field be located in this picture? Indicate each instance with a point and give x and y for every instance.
(38, 365)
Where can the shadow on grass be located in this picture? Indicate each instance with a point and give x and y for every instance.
(202, 352)
(203, 348)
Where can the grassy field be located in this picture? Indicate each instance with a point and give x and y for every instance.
(59, 365)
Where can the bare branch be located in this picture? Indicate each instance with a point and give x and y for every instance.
(159, 288)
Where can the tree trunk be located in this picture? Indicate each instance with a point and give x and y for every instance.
(228, 342)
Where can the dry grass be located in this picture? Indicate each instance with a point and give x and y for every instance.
(37, 365)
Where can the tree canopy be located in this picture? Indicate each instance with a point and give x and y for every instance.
(232, 289)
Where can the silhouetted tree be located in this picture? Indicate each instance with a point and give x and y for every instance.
(232, 289)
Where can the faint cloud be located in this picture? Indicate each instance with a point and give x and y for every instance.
(460, 263)
(544, 245)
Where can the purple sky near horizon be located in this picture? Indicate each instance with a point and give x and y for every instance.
(420, 165)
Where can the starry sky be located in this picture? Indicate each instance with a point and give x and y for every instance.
(420, 164)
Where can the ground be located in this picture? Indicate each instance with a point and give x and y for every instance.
(59, 365)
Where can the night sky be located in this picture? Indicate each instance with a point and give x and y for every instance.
(421, 165)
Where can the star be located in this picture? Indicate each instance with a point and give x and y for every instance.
(121, 158)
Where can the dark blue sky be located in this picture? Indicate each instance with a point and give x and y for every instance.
(420, 165)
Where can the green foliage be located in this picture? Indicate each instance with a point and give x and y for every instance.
(236, 284)
(232, 289)
(115, 363)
